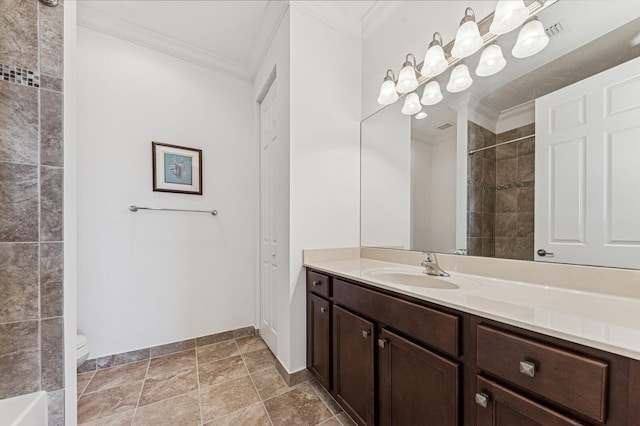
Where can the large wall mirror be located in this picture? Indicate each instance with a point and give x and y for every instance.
(538, 162)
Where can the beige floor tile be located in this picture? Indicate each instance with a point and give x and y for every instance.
(223, 399)
(253, 415)
(326, 397)
(183, 410)
(300, 406)
(345, 419)
(259, 360)
(96, 405)
(217, 351)
(121, 419)
(250, 344)
(222, 370)
(83, 380)
(269, 383)
(168, 385)
(331, 422)
(117, 376)
(172, 363)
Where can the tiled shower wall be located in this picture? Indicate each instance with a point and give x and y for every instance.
(500, 193)
(31, 210)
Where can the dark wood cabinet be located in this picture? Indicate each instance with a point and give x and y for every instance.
(319, 338)
(501, 406)
(416, 386)
(353, 364)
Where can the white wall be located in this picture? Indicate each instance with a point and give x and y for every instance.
(386, 180)
(150, 278)
(325, 153)
(409, 30)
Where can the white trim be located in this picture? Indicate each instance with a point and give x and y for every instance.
(516, 116)
(377, 15)
(331, 15)
(269, 24)
(482, 113)
(116, 27)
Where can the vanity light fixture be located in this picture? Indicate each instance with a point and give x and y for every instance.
(468, 39)
(435, 62)
(407, 80)
(531, 40)
(509, 15)
(421, 115)
(411, 104)
(460, 79)
(491, 61)
(388, 94)
(432, 93)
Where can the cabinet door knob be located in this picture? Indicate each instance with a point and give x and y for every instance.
(316, 283)
(482, 399)
(382, 342)
(323, 309)
(366, 334)
(528, 368)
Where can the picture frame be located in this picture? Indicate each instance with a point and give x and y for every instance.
(176, 169)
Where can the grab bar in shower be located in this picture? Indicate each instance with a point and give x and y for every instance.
(136, 208)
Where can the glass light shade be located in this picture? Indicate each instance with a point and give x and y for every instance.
(468, 40)
(491, 61)
(434, 62)
(388, 94)
(407, 80)
(531, 40)
(421, 115)
(411, 104)
(432, 94)
(460, 79)
(509, 15)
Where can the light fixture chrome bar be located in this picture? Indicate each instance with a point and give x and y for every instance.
(136, 208)
(500, 144)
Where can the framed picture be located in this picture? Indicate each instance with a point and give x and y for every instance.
(176, 169)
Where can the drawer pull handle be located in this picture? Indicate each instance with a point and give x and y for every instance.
(382, 343)
(528, 368)
(482, 399)
(316, 283)
(366, 334)
(323, 309)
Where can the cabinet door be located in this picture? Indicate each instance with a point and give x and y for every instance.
(500, 406)
(319, 338)
(353, 351)
(417, 387)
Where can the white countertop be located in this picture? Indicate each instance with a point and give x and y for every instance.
(603, 321)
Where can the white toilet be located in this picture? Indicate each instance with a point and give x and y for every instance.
(82, 349)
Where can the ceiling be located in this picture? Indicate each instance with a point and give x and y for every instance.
(226, 35)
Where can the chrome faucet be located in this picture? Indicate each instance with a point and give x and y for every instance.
(430, 262)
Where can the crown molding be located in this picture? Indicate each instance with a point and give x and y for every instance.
(327, 12)
(95, 20)
(517, 116)
(377, 15)
(269, 24)
(482, 113)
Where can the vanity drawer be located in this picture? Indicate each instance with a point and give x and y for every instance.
(435, 328)
(574, 381)
(318, 283)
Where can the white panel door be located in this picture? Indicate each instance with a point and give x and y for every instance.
(588, 170)
(268, 234)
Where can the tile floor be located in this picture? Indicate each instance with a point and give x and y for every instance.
(228, 383)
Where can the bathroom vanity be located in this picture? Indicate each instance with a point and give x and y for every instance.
(395, 347)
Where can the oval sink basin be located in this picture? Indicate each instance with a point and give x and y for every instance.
(415, 279)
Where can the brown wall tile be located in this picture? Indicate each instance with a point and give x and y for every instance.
(172, 348)
(51, 45)
(488, 225)
(474, 246)
(506, 171)
(525, 224)
(55, 406)
(123, 358)
(19, 358)
(526, 147)
(52, 343)
(474, 225)
(488, 247)
(474, 198)
(489, 171)
(506, 200)
(51, 279)
(488, 200)
(51, 199)
(51, 128)
(51, 83)
(19, 287)
(505, 152)
(18, 122)
(18, 202)
(524, 248)
(526, 199)
(19, 20)
(506, 224)
(476, 167)
(526, 168)
(505, 247)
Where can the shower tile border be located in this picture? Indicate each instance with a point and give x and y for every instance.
(115, 360)
(20, 75)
